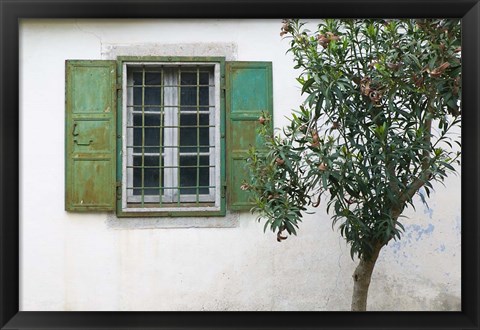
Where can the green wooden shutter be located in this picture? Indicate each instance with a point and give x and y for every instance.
(90, 135)
(249, 93)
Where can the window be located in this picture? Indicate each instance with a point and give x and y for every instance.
(171, 149)
(162, 136)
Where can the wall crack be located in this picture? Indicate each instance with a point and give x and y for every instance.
(90, 32)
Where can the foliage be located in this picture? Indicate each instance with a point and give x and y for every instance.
(377, 124)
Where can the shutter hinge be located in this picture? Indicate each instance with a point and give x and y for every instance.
(118, 187)
(224, 190)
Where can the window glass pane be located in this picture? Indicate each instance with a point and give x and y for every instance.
(188, 96)
(151, 119)
(137, 78)
(188, 135)
(188, 174)
(204, 78)
(151, 176)
(204, 132)
(137, 96)
(152, 135)
(153, 78)
(152, 138)
(137, 139)
(204, 96)
(152, 97)
(188, 78)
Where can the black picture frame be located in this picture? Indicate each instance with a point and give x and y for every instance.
(13, 10)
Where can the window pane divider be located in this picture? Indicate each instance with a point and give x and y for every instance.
(170, 106)
(179, 102)
(161, 130)
(187, 166)
(174, 147)
(170, 137)
(143, 135)
(181, 154)
(170, 85)
(187, 126)
(165, 187)
(198, 136)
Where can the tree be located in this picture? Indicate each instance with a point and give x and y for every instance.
(381, 114)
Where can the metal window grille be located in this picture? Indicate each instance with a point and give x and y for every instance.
(171, 136)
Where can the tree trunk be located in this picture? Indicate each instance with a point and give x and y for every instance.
(361, 281)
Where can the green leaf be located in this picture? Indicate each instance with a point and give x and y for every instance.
(307, 84)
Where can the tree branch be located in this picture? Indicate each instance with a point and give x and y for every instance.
(418, 183)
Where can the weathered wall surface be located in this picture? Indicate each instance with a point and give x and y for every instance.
(79, 262)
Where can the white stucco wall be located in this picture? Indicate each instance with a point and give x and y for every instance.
(80, 262)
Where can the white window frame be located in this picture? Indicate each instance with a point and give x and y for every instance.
(169, 198)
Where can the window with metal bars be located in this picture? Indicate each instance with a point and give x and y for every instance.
(154, 136)
(171, 146)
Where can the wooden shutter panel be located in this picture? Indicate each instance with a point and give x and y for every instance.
(249, 93)
(90, 135)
